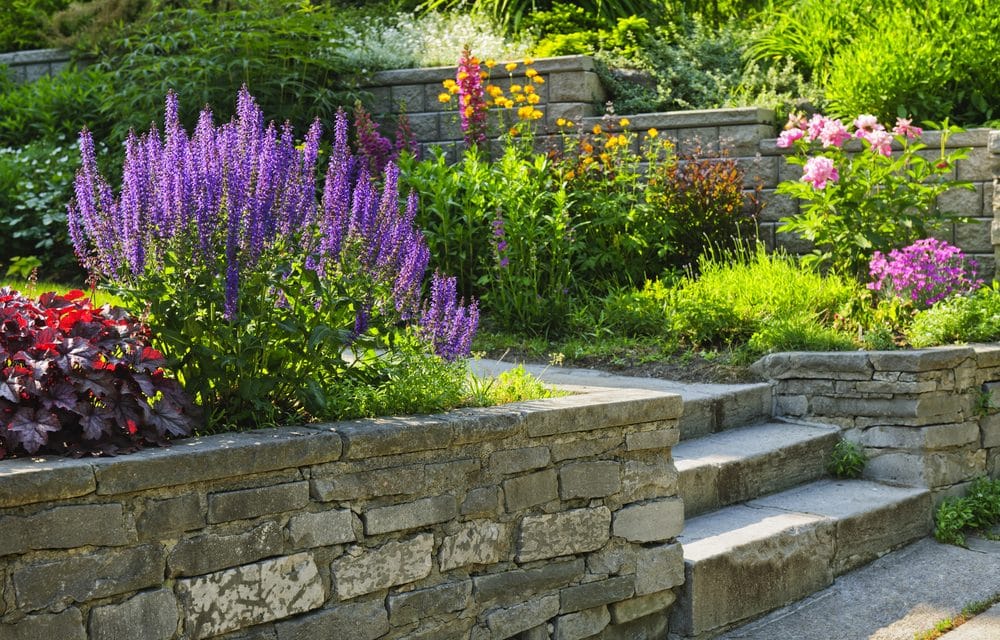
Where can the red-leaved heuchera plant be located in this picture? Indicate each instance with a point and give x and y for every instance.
(81, 380)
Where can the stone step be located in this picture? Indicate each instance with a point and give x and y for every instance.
(741, 464)
(744, 560)
(708, 408)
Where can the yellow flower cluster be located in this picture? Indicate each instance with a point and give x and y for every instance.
(522, 96)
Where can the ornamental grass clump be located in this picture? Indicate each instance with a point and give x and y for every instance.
(924, 273)
(273, 304)
(82, 380)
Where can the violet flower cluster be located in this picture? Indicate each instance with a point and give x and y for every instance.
(225, 195)
(925, 272)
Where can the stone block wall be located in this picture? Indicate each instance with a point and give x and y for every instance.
(928, 417)
(548, 519)
(28, 66)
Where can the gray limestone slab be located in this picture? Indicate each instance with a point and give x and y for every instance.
(893, 598)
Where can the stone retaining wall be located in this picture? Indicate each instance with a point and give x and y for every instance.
(553, 518)
(28, 66)
(927, 417)
(573, 90)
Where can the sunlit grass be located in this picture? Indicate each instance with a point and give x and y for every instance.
(98, 297)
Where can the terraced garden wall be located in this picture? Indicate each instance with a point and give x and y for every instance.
(28, 66)
(553, 515)
(928, 418)
(573, 91)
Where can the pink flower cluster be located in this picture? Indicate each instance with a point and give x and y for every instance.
(831, 132)
(925, 272)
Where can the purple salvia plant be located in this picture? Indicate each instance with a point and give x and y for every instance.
(226, 195)
(446, 322)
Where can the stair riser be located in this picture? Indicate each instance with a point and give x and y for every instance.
(861, 540)
(703, 416)
(709, 487)
(753, 579)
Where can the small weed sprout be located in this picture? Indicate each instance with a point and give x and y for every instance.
(847, 461)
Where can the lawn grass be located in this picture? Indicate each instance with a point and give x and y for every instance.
(98, 296)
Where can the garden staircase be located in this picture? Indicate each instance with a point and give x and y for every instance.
(765, 524)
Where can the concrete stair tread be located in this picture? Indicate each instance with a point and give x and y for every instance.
(744, 560)
(742, 464)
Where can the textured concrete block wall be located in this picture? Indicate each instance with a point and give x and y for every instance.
(927, 418)
(547, 519)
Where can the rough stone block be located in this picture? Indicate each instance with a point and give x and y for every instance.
(586, 447)
(744, 140)
(412, 606)
(599, 410)
(559, 534)
(477, 542)
(147, 616)
(933, 469)
(66, 527)
(990, 431)
(658, 568)
(648, 477)
(60, 582)
(642, 606)
(211, 552)
(409, 98)
(822, 366)
(921, 360)
(353, 621)
(508, 622)
(44, 479)
(230, 455)
(512, 586)
(582, 624)
(484, 500)
(651, 521)
(362, 571)
(978, 167)
(529, 490)
(617, 557)
(595, 594)
(941, 436)
(452, 475)
(321, 529)
(377, 437)
(252, 594)
(659, 439)
(67, 625)
(589, 479)
(700, 141)
(244, 504)
(367, 484)
(575, 87)
(161, 518)
(412, 515)
(510, 461)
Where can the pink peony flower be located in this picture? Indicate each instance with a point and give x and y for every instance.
(818, 171)
(866, 124)
(789, 136)
(834, 133)
(880, 141)
(905, 128)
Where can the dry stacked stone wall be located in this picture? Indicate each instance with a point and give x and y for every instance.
(547, 519)
(28, 66)
(927, 417)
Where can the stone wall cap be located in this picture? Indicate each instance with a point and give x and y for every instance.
(430, 75)
(920, 359)
(44, 478)
(696, 118)
(35, 56)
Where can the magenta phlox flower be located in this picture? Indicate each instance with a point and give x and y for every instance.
(904, 127)
(925, 272)
(819, 171)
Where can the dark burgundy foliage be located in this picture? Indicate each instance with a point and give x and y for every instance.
(81, 380)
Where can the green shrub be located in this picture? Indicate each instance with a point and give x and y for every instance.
(36, 182)
(54, 106)
(281, 54)
(979, 509)
(22, 23)
(847, 460)
(974, 318)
